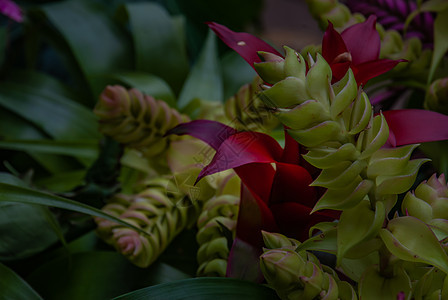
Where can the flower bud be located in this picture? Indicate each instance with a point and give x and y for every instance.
(429, 201)
(277, 240)
(282, 269)
(437, 96)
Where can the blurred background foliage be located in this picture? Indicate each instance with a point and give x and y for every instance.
(53, 67)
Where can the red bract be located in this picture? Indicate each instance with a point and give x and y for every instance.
(410, 126)
(280, 198)
(358, 48)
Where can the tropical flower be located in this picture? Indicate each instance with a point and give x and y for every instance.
(11, 10)
(276, 196)
(357, 47)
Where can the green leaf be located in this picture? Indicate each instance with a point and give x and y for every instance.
(12, 286)
(14, 127)
(440, 41)
(25, 231)
(62, 181)
(374, 286)
(10, 193)
(204, 81)
(56, 115)
(204, 288)
(97, 44)
(78, 148)
(96, 275)
(159, 44)
(148, 84)
(357, 225)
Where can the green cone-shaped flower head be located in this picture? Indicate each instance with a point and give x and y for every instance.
(429, 201)
(136, 120)
(437, 96)
(246, 111)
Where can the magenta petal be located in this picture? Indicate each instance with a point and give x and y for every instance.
(253, 217)
(294, 219)
(410, 126)
(243, 148)
(332, 44)
(291, 153)
(363, 41)
(11, 10)
(258, 178)
(211, 132)
(292, 184)
(244, 262)
(339, 70)
(368, 70)
(243, 43)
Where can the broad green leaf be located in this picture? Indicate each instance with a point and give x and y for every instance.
(10, 193)
(148, 84)
(62, 181)
(15, 127)
(204, 288)
(25, 230)
(78, 148)
(204, 81)
(12, 286)
(96, 275)
(97, 44)
(56, 115)
(158, 44)
(440, 41)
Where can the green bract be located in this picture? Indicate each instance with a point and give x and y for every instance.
(299, 275)
(335, 122)
(213, 245)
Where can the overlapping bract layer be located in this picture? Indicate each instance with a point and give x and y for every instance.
(136, 120)
(429, 203)
(247, 112)
(335, 122)
(393, 44)
(299, 275)
(156, 210)
(213, 244)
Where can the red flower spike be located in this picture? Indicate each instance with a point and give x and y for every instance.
(410, 126)
(272, 198)
(243, 148)
(243, 43)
